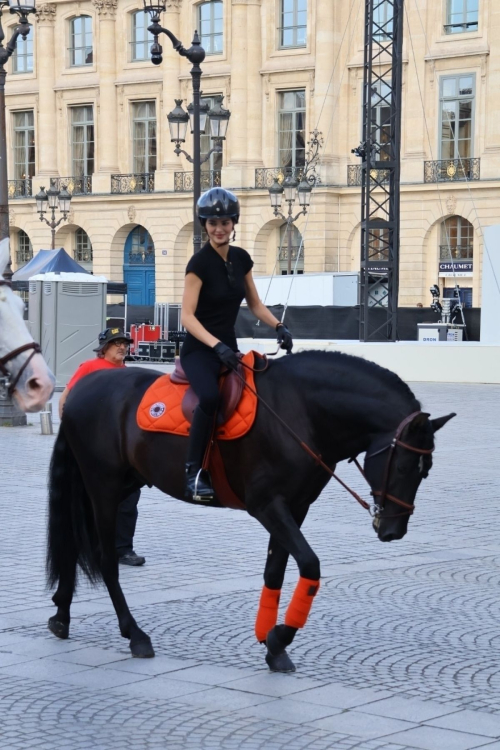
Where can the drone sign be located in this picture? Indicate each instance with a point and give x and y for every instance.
(455, 268)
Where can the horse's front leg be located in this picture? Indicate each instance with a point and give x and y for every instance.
(286, 539)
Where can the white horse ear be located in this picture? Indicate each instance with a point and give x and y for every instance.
(4, 254)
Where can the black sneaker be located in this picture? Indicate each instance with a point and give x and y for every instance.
(131, 558)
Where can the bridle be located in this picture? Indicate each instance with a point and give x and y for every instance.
(377, 508)
(8, 384)
(382, 494)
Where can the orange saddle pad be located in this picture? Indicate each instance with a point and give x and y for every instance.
(161, 407)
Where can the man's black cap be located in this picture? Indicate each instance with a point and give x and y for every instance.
(112, 334)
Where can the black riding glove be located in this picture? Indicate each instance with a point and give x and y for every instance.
(284, 338)
(226, 355)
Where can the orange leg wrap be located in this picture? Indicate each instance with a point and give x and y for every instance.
(302, 599)
(267, 616)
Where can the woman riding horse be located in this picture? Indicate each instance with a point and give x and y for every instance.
(218, 278)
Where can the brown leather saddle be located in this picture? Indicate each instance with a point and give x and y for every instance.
(231, 387)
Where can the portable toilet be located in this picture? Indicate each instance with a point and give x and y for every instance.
(69, 310)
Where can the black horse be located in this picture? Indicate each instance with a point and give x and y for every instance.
(340, 406)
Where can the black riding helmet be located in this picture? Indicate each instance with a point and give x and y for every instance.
(218, 203)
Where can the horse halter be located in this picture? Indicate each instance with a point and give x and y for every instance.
(6, 382)
(382, 494)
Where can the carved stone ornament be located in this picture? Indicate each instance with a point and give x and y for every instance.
(12, 218)
(106, 7)
(451, 204)
(131, 213)
(71, 216)
(46, 13)
(173, 5)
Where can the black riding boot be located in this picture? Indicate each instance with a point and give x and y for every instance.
(198, 483)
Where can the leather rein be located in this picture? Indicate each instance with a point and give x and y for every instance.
(376, 509)
(6, 381)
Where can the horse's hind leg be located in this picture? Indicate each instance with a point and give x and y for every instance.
(59, 623)
(140, 642)
(284, 527)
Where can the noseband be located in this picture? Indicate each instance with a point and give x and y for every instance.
(6, 382)
(382, 494)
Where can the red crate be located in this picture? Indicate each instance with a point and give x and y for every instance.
(143, 332)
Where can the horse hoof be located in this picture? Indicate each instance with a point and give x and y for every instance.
(280, 663)
(60, 629)
(142, 650)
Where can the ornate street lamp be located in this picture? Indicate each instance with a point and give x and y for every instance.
(9, 413)
(292, 190)
(197, 111)
(51, 200)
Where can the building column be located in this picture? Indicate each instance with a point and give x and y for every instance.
(329, 27)
(168, 162)
(107, 135)
(47, 112)
(245, 126)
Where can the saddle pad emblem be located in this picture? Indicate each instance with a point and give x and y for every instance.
(157, 410)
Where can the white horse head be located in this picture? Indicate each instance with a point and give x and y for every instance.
(36, 383)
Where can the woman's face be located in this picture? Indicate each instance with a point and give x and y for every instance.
(219, 230)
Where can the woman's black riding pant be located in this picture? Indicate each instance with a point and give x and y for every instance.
(202, 369)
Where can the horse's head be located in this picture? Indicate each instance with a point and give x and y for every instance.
(395, 464)
(36, 383)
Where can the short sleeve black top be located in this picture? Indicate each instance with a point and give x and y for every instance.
(221, 294)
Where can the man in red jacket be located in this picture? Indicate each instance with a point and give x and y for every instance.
(111, 353)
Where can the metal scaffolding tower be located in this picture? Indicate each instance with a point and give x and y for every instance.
(380, 170)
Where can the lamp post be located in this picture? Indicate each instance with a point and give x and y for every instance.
(196, 112)
(293, 190)
(53, 199)
(9, 413)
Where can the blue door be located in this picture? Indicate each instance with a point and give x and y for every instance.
(139, 267)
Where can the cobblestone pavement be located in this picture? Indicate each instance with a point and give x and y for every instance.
(401, 649)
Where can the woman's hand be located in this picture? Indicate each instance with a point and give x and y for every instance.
(226, 355)
(285, 339)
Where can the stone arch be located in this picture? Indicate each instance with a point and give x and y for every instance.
(66, 238)
(15, 248)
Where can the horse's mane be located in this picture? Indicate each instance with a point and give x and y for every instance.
(319, 358)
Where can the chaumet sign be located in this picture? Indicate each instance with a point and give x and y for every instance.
(456, 268)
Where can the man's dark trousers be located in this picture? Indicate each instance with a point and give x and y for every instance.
(126, 522)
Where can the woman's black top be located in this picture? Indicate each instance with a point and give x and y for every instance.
(221, 294)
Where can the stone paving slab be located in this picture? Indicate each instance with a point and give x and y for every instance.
(399, 652)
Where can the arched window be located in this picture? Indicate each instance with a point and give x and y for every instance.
(141, 38)
(24, 251)
(296, 266)
(22, 59)
(80, 41)
(141, 248)
(210, 23)
(457, 238)
(83, 247)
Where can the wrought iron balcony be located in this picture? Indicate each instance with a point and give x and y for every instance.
(355, 175)
(19, 188)
(23, 256)
(183, 181)
(133, 183)
(296, 249)
(264, 178)
(81, 185)
(451, 170)
(456, 252)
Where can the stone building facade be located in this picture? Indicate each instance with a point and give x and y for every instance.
(85, 105)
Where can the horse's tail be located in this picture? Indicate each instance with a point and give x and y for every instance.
(71, 526)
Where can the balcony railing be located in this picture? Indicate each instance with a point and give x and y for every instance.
(74, 185)
(264, 178)
(133, 183)
(456, 252)
(453, 28)
(20, 188)
(451, 170)
(183, 181)
(355, 175)
(23, 257)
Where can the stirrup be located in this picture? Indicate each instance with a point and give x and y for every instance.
(207, 496)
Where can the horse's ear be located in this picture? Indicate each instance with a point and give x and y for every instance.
(441, 421)
(419, 421)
